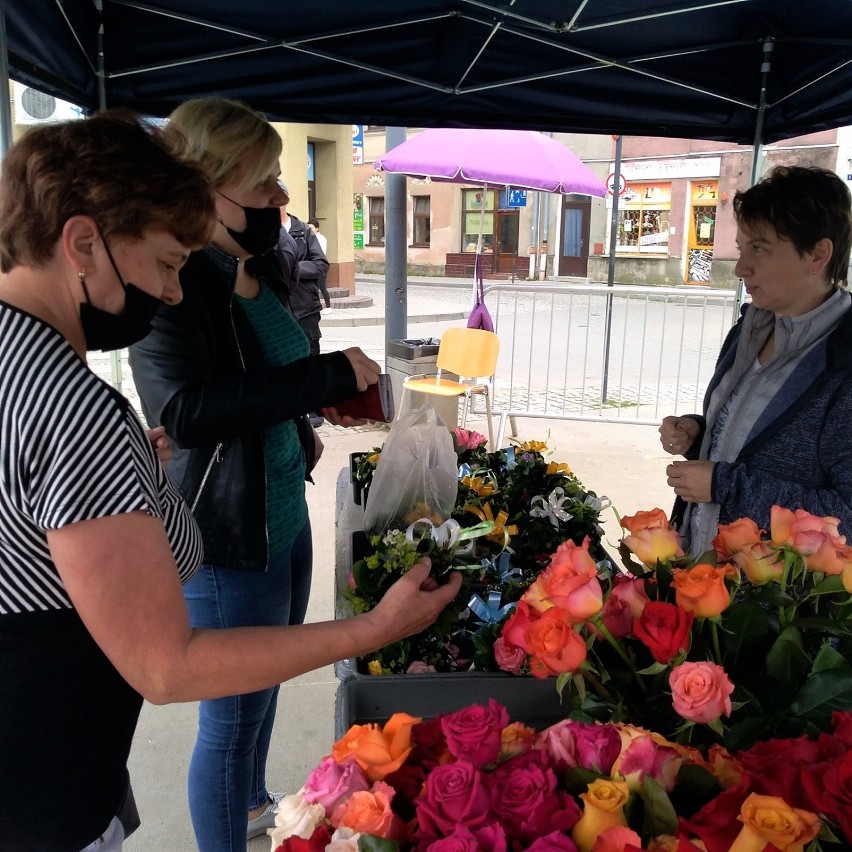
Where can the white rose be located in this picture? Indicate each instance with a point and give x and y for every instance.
(343, 840)
(295, 817)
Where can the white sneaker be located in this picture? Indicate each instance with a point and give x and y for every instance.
(266, 820)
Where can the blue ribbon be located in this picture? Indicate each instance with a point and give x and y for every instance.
(511, 461)
(465, 470)
(491, 612)
(501, 567)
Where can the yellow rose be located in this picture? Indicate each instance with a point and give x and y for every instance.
(603, 808)
(769, 819)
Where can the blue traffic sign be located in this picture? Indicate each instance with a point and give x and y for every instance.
(516, 198)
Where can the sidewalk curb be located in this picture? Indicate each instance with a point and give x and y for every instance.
(329, 318)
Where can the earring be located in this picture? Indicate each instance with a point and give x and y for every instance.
(81, 276)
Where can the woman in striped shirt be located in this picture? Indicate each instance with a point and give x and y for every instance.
(96, 219)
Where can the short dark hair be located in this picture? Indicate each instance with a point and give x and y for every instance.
(314, 222)
(803, 205)
(112, 167)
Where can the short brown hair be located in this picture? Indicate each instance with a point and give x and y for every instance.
(227, 138)
(110, 167)
(803, 205)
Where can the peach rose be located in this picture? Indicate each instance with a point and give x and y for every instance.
(797, 529)
(847, 578)
(701, 589)
(570, 583)
(650, 537)
(770, 820)
(701, 692)
(603, 808)
(831, 557)
(369, 812)
(732, 538)
(760, 562)
(377, 751)
(554, 645)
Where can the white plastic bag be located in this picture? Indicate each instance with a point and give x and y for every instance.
(416, 475)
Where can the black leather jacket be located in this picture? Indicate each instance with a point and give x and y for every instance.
(311, 269)
(201, 374)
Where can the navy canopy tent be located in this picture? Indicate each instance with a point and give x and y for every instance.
(735, 70)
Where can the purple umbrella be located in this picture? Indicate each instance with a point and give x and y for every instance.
(518, 158)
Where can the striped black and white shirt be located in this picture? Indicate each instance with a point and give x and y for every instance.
(71, 449)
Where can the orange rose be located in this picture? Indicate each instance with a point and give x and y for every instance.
(377, 751)
(570, 583)
(553, 645)
(732, 538)
(831, 557)
(650, 537)
(603, 808)
(725, 768)
(369, 812)
(516, 738)
(701, 589)
(847, 578)
(770, 820)
(656, 519)
(760, 562)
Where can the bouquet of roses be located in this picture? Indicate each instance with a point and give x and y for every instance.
(472, 781)
(752, 640)
(513, 509)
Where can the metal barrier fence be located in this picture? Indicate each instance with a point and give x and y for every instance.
(616, 354)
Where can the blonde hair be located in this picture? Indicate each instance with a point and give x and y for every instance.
(227, 138)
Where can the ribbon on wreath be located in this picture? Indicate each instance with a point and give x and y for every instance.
(447, 535)
(502, 567)
(557, 467)
(489, 612)
(501, 533)
(552, 508)
(511, 461)
(484, 483)
(465, 470)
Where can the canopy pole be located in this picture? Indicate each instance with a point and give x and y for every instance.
(610, 277)
(5, 105)
(757, 146)
(396, 260)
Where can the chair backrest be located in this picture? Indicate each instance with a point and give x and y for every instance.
(469, 352)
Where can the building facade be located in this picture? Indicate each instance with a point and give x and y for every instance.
(674, 220)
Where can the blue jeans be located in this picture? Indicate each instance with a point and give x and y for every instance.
(227, 774)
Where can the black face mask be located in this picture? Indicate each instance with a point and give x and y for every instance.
(106, 331)
(263, 227)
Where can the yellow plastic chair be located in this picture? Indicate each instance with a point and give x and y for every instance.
(470, 353)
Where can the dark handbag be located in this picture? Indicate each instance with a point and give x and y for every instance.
(479, 316)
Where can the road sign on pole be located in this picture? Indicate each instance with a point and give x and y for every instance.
(516, 198)
(611, 184)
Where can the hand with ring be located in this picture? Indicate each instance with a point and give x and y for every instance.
(678, 434)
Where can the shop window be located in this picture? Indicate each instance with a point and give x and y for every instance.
(422, 227)
(702, 231)
(377, 222)
(643, 218)
(478, 219)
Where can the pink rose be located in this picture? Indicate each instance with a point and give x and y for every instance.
(490, 838)
(553, 842)
(454, 794)
(701, 692)
(631, 591)
(509, 657)
(474, 733)
(645, 754)
(571, 744)
(467, 439)
(616, 839)
(332, 782)
(524, 793)
(419, 667)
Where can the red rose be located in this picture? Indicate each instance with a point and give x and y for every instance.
(490, 838)
(664, 629)
(316, 843)
(829, 787)
(717, 823)
(473, 734)
(553, 842)
(523, 792)
(453, 795)
(775, 768)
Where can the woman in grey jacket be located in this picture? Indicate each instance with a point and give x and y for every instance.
(775, 427)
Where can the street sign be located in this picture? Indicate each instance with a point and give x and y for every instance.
(357, 144)
(516, 198)
(611, 184)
